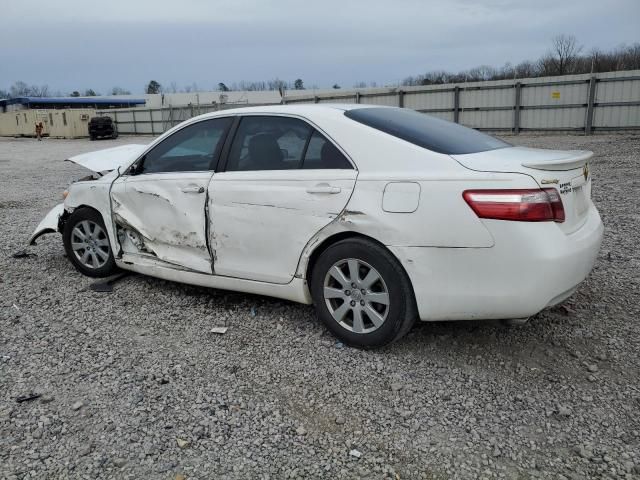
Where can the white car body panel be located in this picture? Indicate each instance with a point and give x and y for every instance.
(167, 212)
(537, 265)
(508, 159)
(296, 290)
(261, 221)
(109, 158)
(49, 224)
(263, 227)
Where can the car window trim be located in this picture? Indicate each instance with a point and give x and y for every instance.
(225, 153)
(223, 140)
(306, 147)
(221, 165)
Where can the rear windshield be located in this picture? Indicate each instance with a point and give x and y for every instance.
(426, 131)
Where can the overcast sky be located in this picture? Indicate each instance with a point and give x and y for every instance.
(79, 44)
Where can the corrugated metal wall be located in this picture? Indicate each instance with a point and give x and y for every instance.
(604, 101)
(154, 121)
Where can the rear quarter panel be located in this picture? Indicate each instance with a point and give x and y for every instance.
(442, 217)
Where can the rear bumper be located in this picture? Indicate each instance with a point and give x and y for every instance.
(531, 266)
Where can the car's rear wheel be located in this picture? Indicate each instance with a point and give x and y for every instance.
(362, 293)
(87, 243)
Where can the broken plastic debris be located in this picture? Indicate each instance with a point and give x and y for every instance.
(182, 443)
(28, 397)
(355, 453)
(219, 330)
(23, 254)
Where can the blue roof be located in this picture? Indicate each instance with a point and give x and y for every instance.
(72, 101)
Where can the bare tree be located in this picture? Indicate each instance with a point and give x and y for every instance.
(39, 91)
(277, 84)
(19, 89)
(525, 69)
(119, 91)
(563, 53)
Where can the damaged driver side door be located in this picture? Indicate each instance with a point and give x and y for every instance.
(159, 204)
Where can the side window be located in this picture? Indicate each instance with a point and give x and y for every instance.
(268, 143)
(192, 149)
(321, 153)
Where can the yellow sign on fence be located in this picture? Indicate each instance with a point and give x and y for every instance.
(555, 94)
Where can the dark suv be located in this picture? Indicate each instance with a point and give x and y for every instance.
(102, 127)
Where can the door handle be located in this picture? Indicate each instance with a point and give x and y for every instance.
(323, 188)
(194, 189)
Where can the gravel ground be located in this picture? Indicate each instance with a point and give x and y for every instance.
(133, 385)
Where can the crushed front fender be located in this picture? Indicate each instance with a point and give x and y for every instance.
(49, 223)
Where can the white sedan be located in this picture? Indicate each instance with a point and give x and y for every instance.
(378, 216)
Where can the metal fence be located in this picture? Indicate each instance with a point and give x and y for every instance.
(584, 103)
(580, 103)
(154, 121)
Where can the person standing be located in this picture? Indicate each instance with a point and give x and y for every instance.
(39, 129)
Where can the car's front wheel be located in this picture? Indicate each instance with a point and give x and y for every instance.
(87, 243)
(362, 293)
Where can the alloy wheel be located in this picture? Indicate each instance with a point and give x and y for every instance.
(356, 295)
(90, 244)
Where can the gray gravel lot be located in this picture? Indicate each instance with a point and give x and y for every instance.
(133, 385)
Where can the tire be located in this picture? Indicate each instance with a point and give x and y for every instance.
(367, 321)
(91, 255)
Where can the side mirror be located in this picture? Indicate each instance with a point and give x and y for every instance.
(136, 168)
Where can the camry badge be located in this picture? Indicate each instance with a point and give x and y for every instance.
(545, 181)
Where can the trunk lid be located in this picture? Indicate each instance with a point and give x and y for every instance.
(566, 171)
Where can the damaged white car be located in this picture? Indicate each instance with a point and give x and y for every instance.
(379, 216)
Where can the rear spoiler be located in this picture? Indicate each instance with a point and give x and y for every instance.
(574, 159)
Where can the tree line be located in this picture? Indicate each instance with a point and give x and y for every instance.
(565, 57)
(22, 89)
(252, 86)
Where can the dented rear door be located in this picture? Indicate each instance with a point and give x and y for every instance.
(283, 182)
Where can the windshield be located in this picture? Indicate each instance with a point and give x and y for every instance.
(426, 131)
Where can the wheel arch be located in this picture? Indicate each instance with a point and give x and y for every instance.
(345, 235)
(67, 213)
(106, 220)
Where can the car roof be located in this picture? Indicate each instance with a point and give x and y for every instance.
(300, 109)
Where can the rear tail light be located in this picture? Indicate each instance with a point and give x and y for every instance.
(530, 205)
